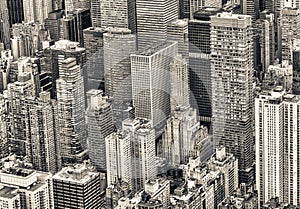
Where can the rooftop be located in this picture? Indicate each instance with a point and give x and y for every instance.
(8, 192)
(155, 49)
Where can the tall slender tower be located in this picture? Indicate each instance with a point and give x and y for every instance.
(277, 146)
(199, 63)
(96, 13)
(232, 88)
(4, 24)
(119, 43)
(152, 20)
(289, 25)
(71, 107)
(99, 125)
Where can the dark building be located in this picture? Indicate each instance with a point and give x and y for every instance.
(53, 24)
(74, 24)
(15, 10)
(93, 42)
(184, 9)
(296, 70)
(199, 63)
(77, 187)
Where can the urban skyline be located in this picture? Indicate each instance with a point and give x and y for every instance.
(149, 104)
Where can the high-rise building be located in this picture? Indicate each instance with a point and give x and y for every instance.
(53, 24)
(73, 25)
(77, 186)
(100, 124)
(150, 72)
(61, 50)
(178, 31)
(41, 132)
(296, 69)
(289, 26)
(266, 30)
(180, 136)
(130, 155)
(152, 20)
(4, 24)
(71, 107)
(118, 14)
(199, 63)
(291, 3)
(72, 5)
(36, 11)
(93, 43)
(179, 95)
(4, 150)
(17, 93)
(250, 7)
(28, 38)
(33, 188)
(232, 88)
(119, 43)
(277, 146)
(227, 164)
(15, 10)
(96, 13)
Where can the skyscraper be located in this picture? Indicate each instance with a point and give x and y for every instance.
(71, 107)
(232, 88)
(150, 71)
(296, 69)
(63, 49)
(130, 155)
(178, 31)
(16, 11)
(41, 133)
(277, 146)
(152, 20)
(36, 11)
(87, 183)
(227, 164)
(179, 94)
(4, 24)
(289, 26)
(115, 13)
(119, 43)
(94, 45)
(4, 127)
(180, 136)
(250, 7)
(200, 67)
(100, 124)
(96, 13)
(74, 23)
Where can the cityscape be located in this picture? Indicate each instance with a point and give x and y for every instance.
(149, 104)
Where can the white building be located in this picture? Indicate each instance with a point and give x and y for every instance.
(36, 11)
(150, 73)
(33, 189)
(180, 136)
(152, 20)
(130, 155)
(277, 120)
